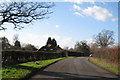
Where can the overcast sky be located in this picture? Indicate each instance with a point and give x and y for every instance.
(70, 22)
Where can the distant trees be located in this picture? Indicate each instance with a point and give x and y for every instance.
(93, 46)
(29, 47)
(82, 47)
(5, 43)
(54, 43)
(66, 48)
(20, 13)
(15, 37)
(49, 41)
(17, 44)
(104, 38)
(71, 49)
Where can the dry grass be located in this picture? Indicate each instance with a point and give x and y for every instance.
(107, 58)
(108, 55)
(110, 67)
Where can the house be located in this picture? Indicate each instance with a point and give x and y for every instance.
(51, 45)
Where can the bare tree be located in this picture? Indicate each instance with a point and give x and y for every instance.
(104, 38)
(19, 13)
(82, 47)
(15, 37)
(93, 46)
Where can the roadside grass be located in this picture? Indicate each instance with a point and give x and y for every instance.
(18, 71)
(108, 66)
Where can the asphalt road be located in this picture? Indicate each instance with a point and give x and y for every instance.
(74, 68)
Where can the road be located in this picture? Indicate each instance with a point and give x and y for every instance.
(74, 68)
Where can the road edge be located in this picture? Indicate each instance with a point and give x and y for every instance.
(35, 71)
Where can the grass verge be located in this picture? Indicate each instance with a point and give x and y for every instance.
(103, 64)
(19, 71)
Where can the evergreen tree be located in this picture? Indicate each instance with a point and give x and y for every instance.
(49, 41)
(17, 44)
(54, 43)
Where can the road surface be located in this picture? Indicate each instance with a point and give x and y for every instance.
(74, 68)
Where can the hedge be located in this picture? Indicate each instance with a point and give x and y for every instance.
(9, 57)
(77, 54)
(25, 56)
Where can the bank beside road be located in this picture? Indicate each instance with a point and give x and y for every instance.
(107, 66)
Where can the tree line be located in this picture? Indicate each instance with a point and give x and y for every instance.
(103, 39)
(16, 44)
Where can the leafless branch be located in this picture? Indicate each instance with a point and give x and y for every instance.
(23, 12)
(104, 38)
